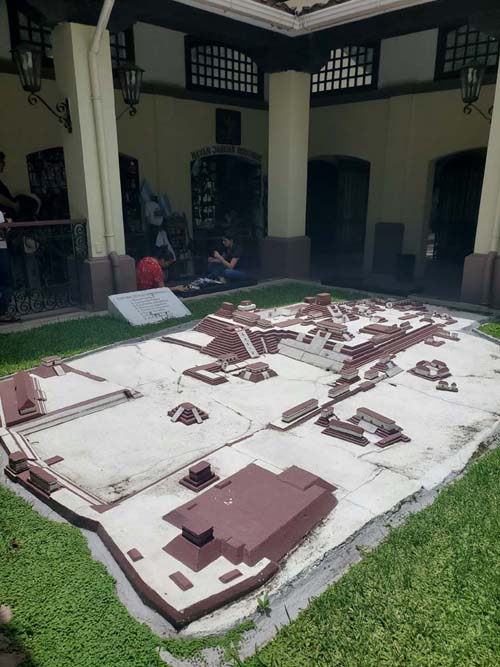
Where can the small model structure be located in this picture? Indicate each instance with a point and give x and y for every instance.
(247, 306)
(433, 342)
(247, 317)
(188, 414)
(257, 372)
(300, 410)
(387, 429)
(43, 480)
(18, 462)
(226, 310)
(346, 431)
(442, 385)
(447, 335)
(348, 375)
(431, 370)
(372, 374)
(200, 476)
(22, 398)
(339, 390)
(388, 366)
(326, 415)
(208, 373)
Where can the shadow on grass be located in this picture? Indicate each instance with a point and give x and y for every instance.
(13, 651)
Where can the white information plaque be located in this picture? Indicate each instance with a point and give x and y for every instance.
(146, 307)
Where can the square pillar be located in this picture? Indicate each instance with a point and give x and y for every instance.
(481, 278)
(286, 250)
(71, 44)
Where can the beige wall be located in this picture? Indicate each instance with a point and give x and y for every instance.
(401, 137)
(24, 128)
(161, 135)
(165, 132)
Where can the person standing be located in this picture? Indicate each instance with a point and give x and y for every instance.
(8, 209)
(8, 205)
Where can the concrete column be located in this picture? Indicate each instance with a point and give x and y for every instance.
(71, 43)
(286, 250)
(481, 279)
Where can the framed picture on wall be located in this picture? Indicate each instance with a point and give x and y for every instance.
(228, 127)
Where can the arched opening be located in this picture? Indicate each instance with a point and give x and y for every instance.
(456, 197)
(337, 202)
(47, 175)
(226, 194)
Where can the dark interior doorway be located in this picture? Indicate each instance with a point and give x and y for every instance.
(337, 202)
(47, 174)
(456, 197)
(226, 194)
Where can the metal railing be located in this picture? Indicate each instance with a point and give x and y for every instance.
(45, 259)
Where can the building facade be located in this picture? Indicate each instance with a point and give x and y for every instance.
(349, 151)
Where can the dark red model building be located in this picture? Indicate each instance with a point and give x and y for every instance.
(187, 414)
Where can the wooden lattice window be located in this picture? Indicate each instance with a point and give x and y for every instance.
(223, 69)
(122, 47)
(23, 28)
(461, 45)
(348, 68)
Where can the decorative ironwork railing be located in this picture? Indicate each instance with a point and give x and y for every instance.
(45, 260)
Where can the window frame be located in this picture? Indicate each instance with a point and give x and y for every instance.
(444, 31)
(350, 90)
(13, 10)
(129, 47)
(191, 42)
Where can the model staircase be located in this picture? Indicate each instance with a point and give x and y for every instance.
(249, 346)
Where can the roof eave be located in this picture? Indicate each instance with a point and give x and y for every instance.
(269, 17)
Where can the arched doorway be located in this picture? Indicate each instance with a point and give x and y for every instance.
(337, 202)
(456, 197)
(47, 174)
(226, 194)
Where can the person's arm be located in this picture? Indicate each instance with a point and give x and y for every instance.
(227, 265)
(158, 276)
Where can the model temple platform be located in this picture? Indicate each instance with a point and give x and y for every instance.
(250, 516)
(244, 450)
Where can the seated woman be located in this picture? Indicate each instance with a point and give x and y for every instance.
(227, 265)
(150, 271)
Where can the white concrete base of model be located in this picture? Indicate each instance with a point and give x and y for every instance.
(132, 452)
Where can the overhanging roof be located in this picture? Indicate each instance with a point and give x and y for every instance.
(295, 34)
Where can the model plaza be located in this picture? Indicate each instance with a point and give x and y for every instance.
(242, 451)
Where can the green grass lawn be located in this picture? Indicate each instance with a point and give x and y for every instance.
(25, 349)
(492, 329)
(429, 596)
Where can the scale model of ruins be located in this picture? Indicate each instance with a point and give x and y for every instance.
(221, 535)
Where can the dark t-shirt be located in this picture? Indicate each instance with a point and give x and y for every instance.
(235, 251)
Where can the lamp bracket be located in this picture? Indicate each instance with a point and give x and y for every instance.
(487, 116)
(61, 112)
(131, 109)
